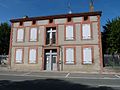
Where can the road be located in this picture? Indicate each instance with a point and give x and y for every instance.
(111, 81)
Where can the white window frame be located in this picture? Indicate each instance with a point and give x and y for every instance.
(20, 38)
(33, 34)
(69, 56)
(88, 57)
(32, 59)
(19, 56)
(86, 31)
(69, 36)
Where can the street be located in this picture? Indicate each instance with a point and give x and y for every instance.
(104, 81)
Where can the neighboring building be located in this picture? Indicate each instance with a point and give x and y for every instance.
(67, 42)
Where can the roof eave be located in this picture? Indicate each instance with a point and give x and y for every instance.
(56, 16)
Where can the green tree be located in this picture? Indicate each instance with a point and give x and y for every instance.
(4, 38)
(111, 36)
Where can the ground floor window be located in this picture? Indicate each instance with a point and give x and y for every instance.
(32, 55)
(87, 55)
(19, 56)
(69, 55)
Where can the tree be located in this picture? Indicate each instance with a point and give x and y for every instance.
(111, 36)
(4, 38)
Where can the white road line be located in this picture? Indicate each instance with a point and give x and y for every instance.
(67, 75)
(117, 76)
(109, 85)
(26, 74)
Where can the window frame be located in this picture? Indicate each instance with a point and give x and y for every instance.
(36, 34)
(22, 56)
(23, 35)
(92, 55)
(74, 53)
(36, 61)
(56, 34)
(91, 31)
(74, 32)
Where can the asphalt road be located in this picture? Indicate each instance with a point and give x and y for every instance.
(84, 81)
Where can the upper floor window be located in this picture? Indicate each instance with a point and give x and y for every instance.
(86, 31)
(69, 32)
(20, 35)
(33, 34)
(51, 35)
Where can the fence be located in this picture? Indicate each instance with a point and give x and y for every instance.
(3, 59)
(111, 60)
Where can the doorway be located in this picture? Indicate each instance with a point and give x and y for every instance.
(50, 61)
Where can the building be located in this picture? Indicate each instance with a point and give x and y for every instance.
(67, 42)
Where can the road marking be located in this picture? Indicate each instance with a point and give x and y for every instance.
(26, 74)
(117, 76)
(109, 85)
(67, 75)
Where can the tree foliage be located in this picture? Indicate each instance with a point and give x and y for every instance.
(4, 38)
(111, 36)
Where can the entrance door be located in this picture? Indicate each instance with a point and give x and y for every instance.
(51, 61)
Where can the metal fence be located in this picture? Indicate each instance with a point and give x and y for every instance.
(111, 60)
(3, 59)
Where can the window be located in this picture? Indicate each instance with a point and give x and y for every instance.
(86, 31)
(33, 34)
(19, 56)
(69, 55)
(51, 35)
(20, 35)
(87, 55)
(69, 32)
(32, 56)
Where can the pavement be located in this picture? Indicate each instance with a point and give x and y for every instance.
(91, 79)
(53, 74)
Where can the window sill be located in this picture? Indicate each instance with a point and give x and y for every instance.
(87, 39)
(70, 40)
(69, 63)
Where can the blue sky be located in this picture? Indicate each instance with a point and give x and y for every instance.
(18, 8)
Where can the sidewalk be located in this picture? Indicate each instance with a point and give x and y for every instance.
(105, 72)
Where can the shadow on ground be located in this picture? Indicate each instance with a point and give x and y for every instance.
(46, 84)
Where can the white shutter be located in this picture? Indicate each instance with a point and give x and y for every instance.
(19, 56)
(20, 35)
(86, 31)
(33, 34)
(69, 56)
(32, 56)
(87, 56)
(69, 32)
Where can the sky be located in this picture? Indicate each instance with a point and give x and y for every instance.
(11, 9)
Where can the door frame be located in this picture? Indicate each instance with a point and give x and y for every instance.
(43, 56)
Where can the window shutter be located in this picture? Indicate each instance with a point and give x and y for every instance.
(87, 56)
(33, 34)
(19, 56)
(20, 35)
(86, 31)
(69, 56)
(69, 32)
(32, 55)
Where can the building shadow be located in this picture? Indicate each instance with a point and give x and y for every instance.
(46, 84)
